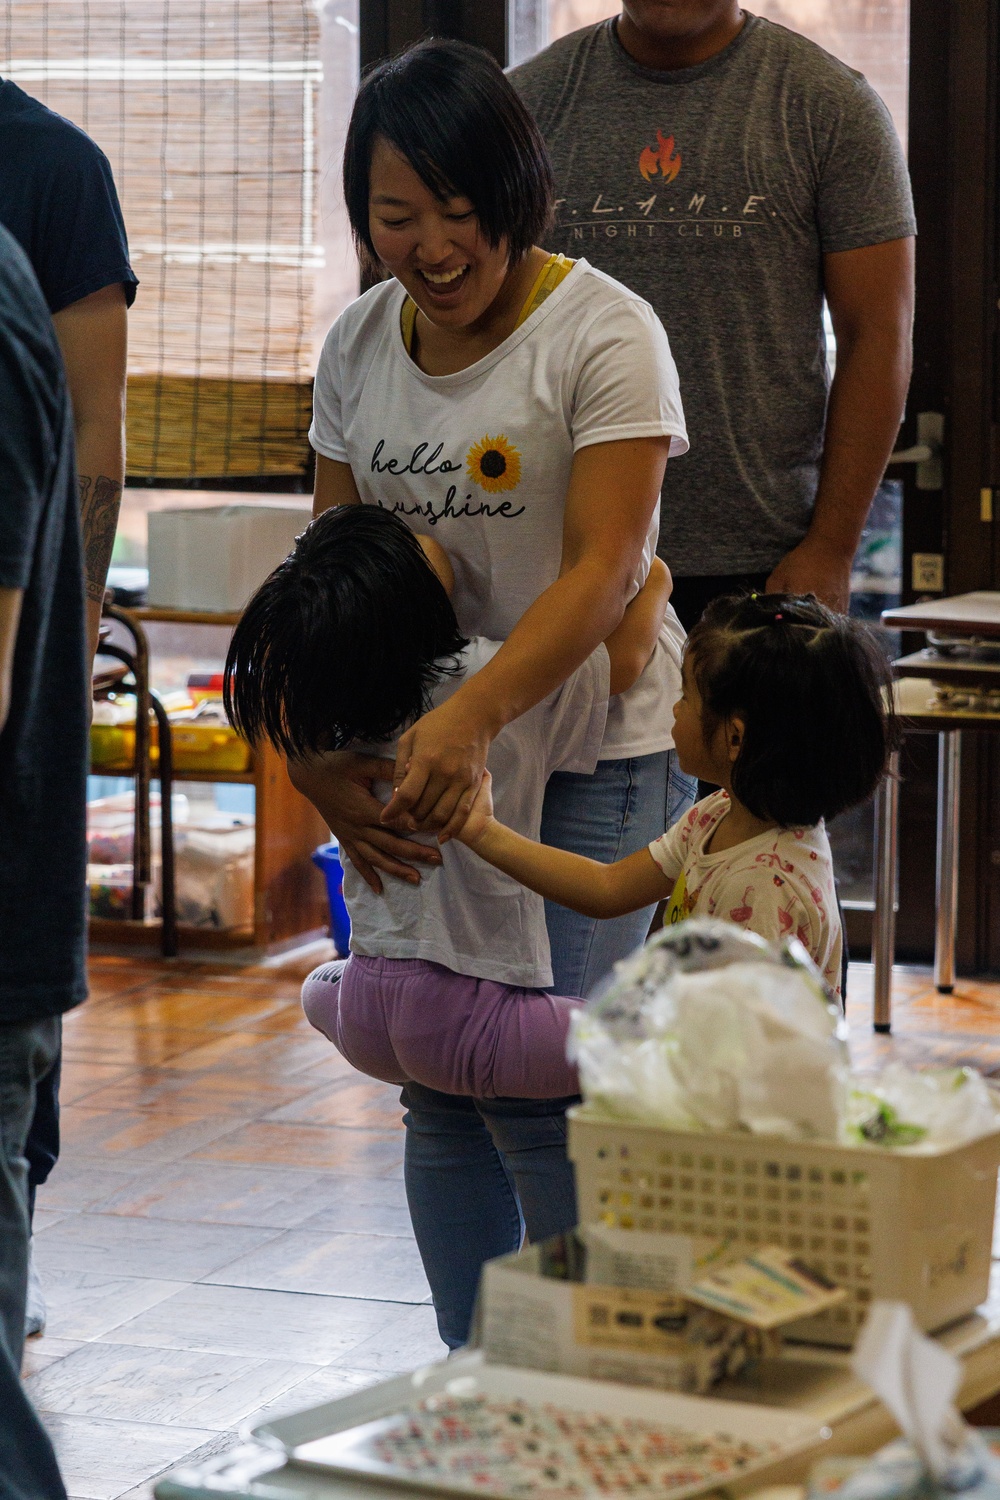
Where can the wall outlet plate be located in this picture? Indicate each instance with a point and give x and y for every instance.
(928, 572)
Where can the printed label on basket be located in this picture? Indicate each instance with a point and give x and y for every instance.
(951, 1256)
(766, 1289)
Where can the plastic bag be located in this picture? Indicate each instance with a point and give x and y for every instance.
(931, 1108)
(712, 1028)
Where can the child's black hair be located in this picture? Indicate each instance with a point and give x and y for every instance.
(447, 108)
(814, 690)
(345, 641)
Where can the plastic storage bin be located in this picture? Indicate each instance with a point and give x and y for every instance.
(197, 746)
(214, 854)
(212, 558)
(327, 859)
(880, 1223)
(206, 746)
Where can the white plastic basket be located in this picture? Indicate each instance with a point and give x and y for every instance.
(880, 1223)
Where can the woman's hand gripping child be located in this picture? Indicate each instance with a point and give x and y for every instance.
(345, 644)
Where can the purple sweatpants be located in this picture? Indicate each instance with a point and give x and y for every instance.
(406, 1020)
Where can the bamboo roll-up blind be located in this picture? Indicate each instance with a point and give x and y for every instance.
(206, 110)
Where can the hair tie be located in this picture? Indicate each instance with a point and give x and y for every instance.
(778, 616)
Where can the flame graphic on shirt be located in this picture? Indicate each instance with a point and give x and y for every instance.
(663, 158)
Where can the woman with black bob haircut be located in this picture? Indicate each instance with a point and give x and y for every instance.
(447, 109)
(518, 407)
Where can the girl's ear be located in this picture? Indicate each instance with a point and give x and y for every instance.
(735, 731)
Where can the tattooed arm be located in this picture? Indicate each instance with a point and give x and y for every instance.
(93, 337)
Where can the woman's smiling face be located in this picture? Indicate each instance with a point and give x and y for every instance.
(434, 248)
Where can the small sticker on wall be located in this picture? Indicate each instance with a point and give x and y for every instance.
(928, 572)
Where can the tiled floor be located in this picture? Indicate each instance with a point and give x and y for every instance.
(226, 1232)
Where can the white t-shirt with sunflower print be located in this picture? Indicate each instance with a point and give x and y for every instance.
(481, 459)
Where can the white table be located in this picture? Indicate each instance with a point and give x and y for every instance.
(817, 1382)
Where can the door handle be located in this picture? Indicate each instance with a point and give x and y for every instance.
(926, 451)
(920, 453)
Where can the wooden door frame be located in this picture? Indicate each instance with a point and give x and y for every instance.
(387, 26)
(954, 162)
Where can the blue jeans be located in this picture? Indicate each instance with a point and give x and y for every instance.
(28, 1469)
(623, 807)
(479, 1172)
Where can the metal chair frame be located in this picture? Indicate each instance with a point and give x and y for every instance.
(146, 702)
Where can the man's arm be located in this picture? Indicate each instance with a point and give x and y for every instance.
(870, 295)
(93, 336)
(10, 618)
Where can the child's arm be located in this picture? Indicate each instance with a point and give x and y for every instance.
(584, 885)
(633, 642)
(630, 644)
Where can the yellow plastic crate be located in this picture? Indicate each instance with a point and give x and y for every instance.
(197, 747)
(112, 747)
(880, 1223)
(208, 747)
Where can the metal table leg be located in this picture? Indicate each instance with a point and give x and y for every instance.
(886, 855)
(949, 769)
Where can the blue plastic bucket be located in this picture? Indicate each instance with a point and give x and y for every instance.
(327, 859)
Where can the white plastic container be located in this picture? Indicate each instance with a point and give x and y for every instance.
(915, 1226)
(213, 559)
(215, 872)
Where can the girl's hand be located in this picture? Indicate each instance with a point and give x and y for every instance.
(481, 817)
(440, 763)
(340, 788)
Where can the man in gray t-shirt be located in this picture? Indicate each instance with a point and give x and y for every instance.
(733, 173)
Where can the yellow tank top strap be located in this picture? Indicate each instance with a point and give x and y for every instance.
(555, 270)
(407, 320)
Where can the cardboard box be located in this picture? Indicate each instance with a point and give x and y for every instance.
(213, 559)
(609, 1304)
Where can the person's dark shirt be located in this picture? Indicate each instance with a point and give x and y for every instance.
(58, 199)
(44, 743)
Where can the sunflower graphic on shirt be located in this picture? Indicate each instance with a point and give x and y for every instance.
(494, 464)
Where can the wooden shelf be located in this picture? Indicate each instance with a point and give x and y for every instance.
(150, 614)
(914, 699)
(289, 892)
(245, 778)
(960, 670)
(129, 934)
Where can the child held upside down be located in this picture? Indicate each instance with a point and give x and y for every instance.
(346, 643)
(784, 707)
